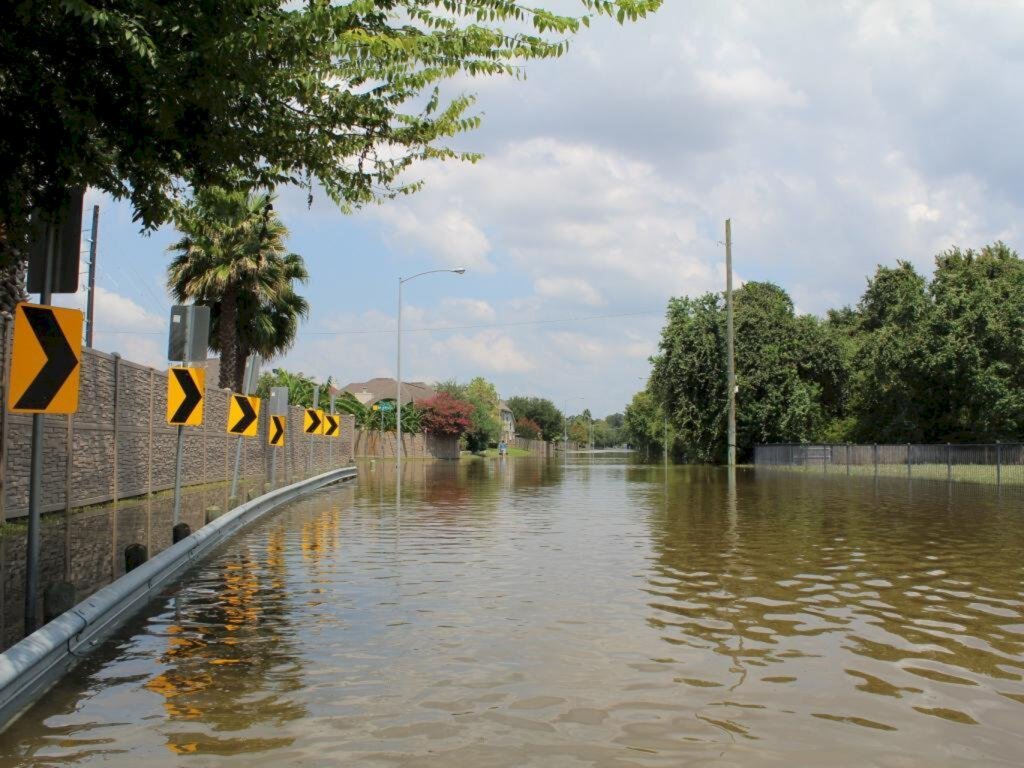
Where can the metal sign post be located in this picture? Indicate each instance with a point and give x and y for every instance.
(278, 408)
(53, 267)
(316, 404)
(35, 488)
(330, 443)
(188, 342)
(252, 367)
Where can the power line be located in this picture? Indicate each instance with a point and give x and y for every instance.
(477, 326)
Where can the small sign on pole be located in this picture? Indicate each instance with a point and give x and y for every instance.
(189, 338)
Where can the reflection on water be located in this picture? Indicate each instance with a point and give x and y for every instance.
(600, 613)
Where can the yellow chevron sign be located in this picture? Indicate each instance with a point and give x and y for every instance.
(243, 415)
(332, 425)
(275, 435)
(313, 421)
(185, 387)
(45, 366)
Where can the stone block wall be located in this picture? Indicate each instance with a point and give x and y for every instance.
(122, 447)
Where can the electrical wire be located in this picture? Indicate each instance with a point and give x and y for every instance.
(477, 326)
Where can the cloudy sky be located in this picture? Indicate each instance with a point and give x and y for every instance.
(836, 135)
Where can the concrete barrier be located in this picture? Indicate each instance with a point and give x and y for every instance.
(30, 668)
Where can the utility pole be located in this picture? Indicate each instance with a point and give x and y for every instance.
(91, 296)
(731, 363)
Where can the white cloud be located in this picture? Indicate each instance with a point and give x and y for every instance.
(749, 86)
(571, 289)
(469, 309)
(449, 235)
(488, 351)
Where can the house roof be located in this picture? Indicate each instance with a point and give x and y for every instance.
(374, 390)
(503, 406)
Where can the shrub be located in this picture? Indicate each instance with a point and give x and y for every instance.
(528, 428)
(444, 414)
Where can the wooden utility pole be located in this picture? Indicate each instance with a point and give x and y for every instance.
(731, 363)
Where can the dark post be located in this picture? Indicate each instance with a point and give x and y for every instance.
(999, 464)
(875, 457)
(847, 459)
(58, 598)
(790, 454)
(908, 461)
(949, 463)
(179, 532)
(134, 556)
(35, 488)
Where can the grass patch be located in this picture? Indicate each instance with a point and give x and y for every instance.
(492, 453)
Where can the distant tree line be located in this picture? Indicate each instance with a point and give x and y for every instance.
(916, 360)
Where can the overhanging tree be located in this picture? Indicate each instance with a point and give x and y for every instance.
(144, 99)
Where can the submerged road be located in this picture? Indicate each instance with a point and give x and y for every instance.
(526, 613)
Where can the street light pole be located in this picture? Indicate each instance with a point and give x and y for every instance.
(731, 358)
(398, 404)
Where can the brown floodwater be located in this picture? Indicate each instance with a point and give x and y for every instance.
(600, 613)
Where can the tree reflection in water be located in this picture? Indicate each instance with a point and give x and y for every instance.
(230, 662)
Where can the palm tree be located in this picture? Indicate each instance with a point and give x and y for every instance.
(232, 257)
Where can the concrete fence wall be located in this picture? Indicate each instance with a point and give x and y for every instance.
(371, 444)
(539, 447)
(121, 445)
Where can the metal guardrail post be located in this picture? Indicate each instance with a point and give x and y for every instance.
(908, 461)
(999, 464)
(949, 463)
(875, 453)
(847, 459)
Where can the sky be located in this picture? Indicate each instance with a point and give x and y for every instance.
(837, 136)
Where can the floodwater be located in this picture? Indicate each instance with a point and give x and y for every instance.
(524, 613)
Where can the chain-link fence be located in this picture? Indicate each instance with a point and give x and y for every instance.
(998, 464)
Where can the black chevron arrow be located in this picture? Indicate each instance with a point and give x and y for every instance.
(278, 432)
(315, 425)
(248, 414)
(332, 425)
(193, 396)
(60, 360)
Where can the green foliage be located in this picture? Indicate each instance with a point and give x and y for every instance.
(916, 360)
(142, 99)
(541, 411)
(300, 387)
(377, 418)
(579, 430)
(789, 371)
(486, 418)
(232, 257)
(942, 361)
(643, 424)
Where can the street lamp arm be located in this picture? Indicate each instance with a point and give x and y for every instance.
(458, 271)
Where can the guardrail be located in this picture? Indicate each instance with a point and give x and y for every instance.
(30, 668)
